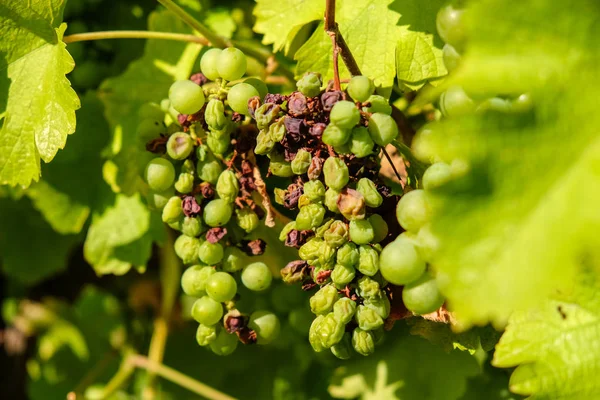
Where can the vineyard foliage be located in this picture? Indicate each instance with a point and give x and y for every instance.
(88, 268)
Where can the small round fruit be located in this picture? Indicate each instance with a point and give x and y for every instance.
(186, 97)
(360, 88)
(400, 262)
(345, 115)
(209, 62)
(221, 286)
(451, 26)
(382, 128)
(257, 276)
(436, 175)
(266, 325)
(231, 64)
(225, 343)
(207, 311)
(422, 296)
(239, 95)
(455, 102)
(217, 213)
(413, 210)
(179, 146)
(159, 174)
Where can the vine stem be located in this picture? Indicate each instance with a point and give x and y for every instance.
(212, 37)
(81, 37)
(340, 47)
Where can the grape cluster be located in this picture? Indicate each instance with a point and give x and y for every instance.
(202, 182)
(329, 141)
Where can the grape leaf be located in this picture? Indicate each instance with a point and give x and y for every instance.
(384, 37)
(145, 80)
(70, 183)
(30, 249)
(557, 346)
(37, 99)
(522, 208)
(393, 373)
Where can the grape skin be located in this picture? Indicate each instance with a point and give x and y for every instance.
(186, 97)
(413, 210)
(208, 64)
(231, 64)
(360, 88)
(217, 213)
(266, 325)
(160, 174)
(400, 263)
(239, 95)
(451, 27)
(207, 311)
(221, 286)
(422, 296)
(257, 276)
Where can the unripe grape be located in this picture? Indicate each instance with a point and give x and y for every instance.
(159, 174)
(218, 144)
(228, 186)
(380, 227)
(259, 85)
(348, 255)
(301, 162)
(451, 57)
(422, 296)
(233, 259)
(266, 325)
(336, 234)
(206, 334)
(322, 302)
(330, 331)
(367, 319)
(280, 167)
(361, 231)
(310, 250)
(257, 276)
(331, 198)
(455, 102)
(210, 253)
(450, 23)
(378, 104)
(310, 84)
(382, 128)
(186, 97)
(336, 173)
(184, 182)
(334, 135)
(381, 305)
(217, 213)
(247, 219)
(367, 188)
(361, 144)
(209, 170)
(522, 103)
(413, 210)
(158, 200)
(436, 175)
(172, 211)
(225, 343)
(209, 62)
(214, 115)
(342, 275)
(368, 262)
(221, 286)
(400, 263)
(192, 226)
(360, 88)
(368, 288)
(363, 342)
(314, 190)
(314, 336)
(193, 280)
(345, 115)
(231, 64)
(179, 146)
(207, 311)
(239, 95)
(310, 216)
(343, 349)
(344, 309)
(187, 248)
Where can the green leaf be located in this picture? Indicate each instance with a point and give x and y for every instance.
(37, 99)
(279, 21)
(392, 373)
(121, 236)
(71, 183)
(30, 249)
(145, 80)
(522, 209)
(557, 346)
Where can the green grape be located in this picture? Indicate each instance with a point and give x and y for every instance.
(193, 280)
(266, 325)
(413, 210)
(158, 200)
(495, 104)
(331, 198)
(378, 104)
(186, 248)
(179, 146)
(522, 103)
(322, 302)
(367, 319)
(209, 62)
(217, 213)
(455, 102)
(208, 169)
(206, 334)
(314, 336)
(363, 342)
(367, 188)
(310, 84)
(231, 64)
(151, 111)
(310, 250)
(451, 57)
(326, 255)
(314, 190)
(422, 296)
(345, 115)
(300, 319)
(427, 243)
(360, 88)
(172, 211)
(149, 129)
(336, 173)
(192, 226)
(361, 144)
(344, 309)
(310, 216)
(368, 288)
(259, 85)
(423, 147)
(265, 115)
(207, 311)
(257, 276)
(342, 275)
(348, 255)
(159, 174)
(361, 231)
(224, 344)
(450, 25)
(280, 167)
(301, 162)
(184, 182)
(247, 219)
(342, 350)
(221, 286)
(381, 305)
(210, 253)
(382, 128)
(344, 148)
(228, 186)
(368, 262)
(239, 95)
(380, 227)
(330, 331)
(218, 145)
(186, 97)
(214, 115)
(233, 259)
(337, 234)
(400, 263)
(334, 135)
(436, 175)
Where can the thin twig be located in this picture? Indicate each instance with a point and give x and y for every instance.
(391, 163)
(80, 37)
(261, 188)
(212, 37)
(177, 377)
